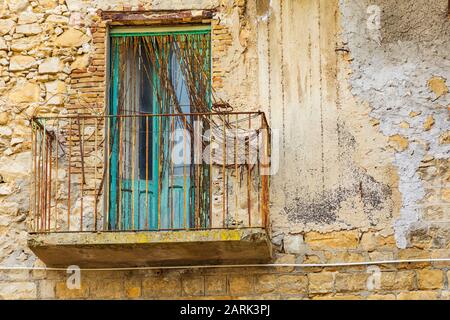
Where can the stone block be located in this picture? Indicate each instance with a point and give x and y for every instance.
(25, 93)
(161, 287)
(105, 289)
(132, 288)
(51, 65)
(430, 279)
(20, 63)
(418, 295)
(240, 285)
(193, 286)
(18, 290)
(63, 292)
(351, 282)
(5, 26)
(338, 239)
(71, 38)
(216, 285)
(29, 29)
(322, 282)
(402, 280)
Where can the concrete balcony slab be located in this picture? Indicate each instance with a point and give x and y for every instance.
(152, 248)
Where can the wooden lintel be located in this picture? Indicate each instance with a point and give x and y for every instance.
(158, 15)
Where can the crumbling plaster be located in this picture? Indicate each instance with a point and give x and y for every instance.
(335, 172)
(391, 69)
(357, 110)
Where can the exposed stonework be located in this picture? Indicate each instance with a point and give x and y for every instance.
(359, 116)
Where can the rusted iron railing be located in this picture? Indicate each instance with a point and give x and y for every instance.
(150, 172)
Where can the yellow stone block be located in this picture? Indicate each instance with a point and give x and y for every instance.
(161, 287)
(373, 241)
(240, 285)
(402, 280)
(71, 38)
(322, 282)
(381, 297)
(292, 284)
(351, 281)
(215, 285)
(340, 239)
(430, 279)
(133, 288)
(25, 93)
(133, 292)
(106, 289)
(404, 125)
(63, 292)
(418, 295)
(193, 286)
(265, 283)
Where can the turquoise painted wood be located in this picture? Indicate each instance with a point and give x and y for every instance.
(133, 203)
(113, 141)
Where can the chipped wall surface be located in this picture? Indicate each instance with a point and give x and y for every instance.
(333, 174)
(401, 70)
(360, 119)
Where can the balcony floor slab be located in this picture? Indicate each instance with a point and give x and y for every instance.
(151, 248)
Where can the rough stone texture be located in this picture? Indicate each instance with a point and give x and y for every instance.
(71, 38)
(322, 282)
(25, 93)
(430, 279)
(157, 287)
(342, 239)
(360, 116)
(19, 63)
(29, 29)
(18, 290)
(51, 65)
(403, 280)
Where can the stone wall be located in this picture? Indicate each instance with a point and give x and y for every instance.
(360, 115)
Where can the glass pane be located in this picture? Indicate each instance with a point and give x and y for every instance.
(145, 123)
(181, 136)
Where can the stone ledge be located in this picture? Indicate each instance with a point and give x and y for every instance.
(151, 248)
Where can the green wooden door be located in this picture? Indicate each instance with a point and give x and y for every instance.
(148, 189)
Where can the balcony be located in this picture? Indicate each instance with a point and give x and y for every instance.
(150, 189)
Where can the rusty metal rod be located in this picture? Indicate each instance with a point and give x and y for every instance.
(142, 114)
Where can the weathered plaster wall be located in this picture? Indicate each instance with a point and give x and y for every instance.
(361, 118)
(401, 72)
(333, 172)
